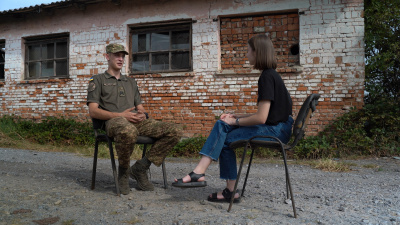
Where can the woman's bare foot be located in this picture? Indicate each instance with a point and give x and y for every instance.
(187, 179)
(191, 180)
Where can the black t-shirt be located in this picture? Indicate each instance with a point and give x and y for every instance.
(271, 87)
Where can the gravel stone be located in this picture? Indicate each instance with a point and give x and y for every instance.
(54, 188)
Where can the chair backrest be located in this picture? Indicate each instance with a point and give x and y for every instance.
(98, 124)
(304, 115)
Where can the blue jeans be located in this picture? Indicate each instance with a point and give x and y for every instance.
(222, 135)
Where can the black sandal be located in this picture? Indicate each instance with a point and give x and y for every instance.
(227, 197)
(194, 177)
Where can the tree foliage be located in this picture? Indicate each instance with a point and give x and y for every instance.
(382, 50)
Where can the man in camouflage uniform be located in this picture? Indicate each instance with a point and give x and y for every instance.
(115, 98)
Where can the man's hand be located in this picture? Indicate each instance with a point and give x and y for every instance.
(134, 117)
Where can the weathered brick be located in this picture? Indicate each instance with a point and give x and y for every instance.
(330, 63)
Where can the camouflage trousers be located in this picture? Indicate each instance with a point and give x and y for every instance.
(125, 133)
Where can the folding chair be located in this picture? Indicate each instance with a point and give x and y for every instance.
(101, 137)
(299, 127)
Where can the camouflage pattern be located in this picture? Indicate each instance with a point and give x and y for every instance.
(125, 133)
(123, 180)
(114, 48)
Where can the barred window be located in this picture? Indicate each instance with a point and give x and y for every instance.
(157, 48)
(2, 59)
(47, 57)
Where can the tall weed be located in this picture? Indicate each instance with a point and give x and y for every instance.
(371, 131)
(55, 131)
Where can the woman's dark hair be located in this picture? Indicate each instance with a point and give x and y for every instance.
(264, 50)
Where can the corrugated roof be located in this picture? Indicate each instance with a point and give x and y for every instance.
(32, 7)
(55, 4)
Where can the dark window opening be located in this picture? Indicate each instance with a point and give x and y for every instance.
(295, 50)
(158, 48)
(2, 59)
(47, 57)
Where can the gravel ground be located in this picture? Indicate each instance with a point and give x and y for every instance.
(54, 188)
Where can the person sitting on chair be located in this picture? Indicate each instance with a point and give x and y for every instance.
(273, 118)
(115, 98)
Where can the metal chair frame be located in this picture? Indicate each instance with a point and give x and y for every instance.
(305, 113)
(100, 137)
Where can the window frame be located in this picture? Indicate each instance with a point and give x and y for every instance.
(282, 46)
(43, 40)
(3, 45)
(148, 28)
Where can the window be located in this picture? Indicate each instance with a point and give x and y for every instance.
(46, 57)
(283, 29)
(161, 48)
(2, 59)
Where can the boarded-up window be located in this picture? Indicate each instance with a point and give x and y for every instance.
(283, 29)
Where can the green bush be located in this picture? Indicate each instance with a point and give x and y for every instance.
(54, 131)
(371, 131)
(188, 147)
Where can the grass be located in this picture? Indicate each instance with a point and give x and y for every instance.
(331, 165)
(66, 135)
(134, 220)
(370, 166)
(328, 165)
(68, 222)
(7, 142)
(322, 164)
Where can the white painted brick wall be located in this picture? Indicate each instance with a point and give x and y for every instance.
(331, 56)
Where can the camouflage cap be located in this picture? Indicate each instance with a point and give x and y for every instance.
(114, 48)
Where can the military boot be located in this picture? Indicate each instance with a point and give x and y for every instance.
(139, 173)
(123, 180)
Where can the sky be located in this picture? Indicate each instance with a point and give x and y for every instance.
(16, 4)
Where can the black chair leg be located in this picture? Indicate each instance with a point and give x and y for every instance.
(163, 167)
(238, 178)
(143, 154)
(96, 149)
(164, 175)
(287, 178)
(248, 170)
(144, 150)
(110, 147)
(288, 183)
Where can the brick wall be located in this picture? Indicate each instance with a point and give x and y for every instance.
(330, 60)
(332, 41)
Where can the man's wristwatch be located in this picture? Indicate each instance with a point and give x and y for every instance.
(237, 121)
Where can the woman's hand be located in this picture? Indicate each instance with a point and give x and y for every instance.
(230, 119)
(226, 115)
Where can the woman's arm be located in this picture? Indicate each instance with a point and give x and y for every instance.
(255, 119)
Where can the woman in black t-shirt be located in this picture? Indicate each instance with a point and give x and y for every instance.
(273, 118)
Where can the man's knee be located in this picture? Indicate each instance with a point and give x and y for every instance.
(122, 130)
(127, 135)
(175, 131)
